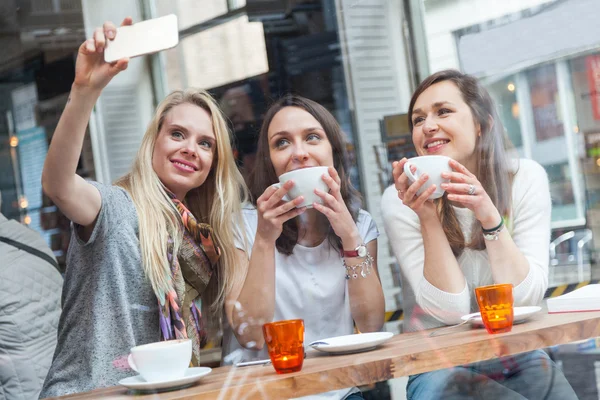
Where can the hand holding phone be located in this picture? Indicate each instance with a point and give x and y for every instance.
(144, 37)
(91, 71)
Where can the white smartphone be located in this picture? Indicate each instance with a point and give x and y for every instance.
(145, 37)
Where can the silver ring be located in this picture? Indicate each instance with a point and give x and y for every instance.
(471, 189)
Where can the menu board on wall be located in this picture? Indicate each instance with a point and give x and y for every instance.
(32, 150)
(24, 100)
(544, 102)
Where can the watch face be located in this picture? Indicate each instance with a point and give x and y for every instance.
(362, 251)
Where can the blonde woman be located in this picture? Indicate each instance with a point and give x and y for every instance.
(149, 250)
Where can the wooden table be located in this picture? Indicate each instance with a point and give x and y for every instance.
(403, 355)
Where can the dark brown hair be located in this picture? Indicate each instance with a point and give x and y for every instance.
(264, 174)
(492, 169)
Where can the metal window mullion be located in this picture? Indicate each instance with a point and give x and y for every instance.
(565, 96)
(525, 114)
(98, 139)
(158, 62)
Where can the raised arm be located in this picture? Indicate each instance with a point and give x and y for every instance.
(256, 303)
(422, 249)
(77, 199)
(408, 245)
(520, 255)
(367, 303)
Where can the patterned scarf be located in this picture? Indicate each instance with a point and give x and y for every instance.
(191, 270)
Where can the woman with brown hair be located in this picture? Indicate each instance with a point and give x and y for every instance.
(491, 226)
(300, 260)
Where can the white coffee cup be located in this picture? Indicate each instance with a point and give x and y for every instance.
(432, 166)
(161, 361)
(306, 180)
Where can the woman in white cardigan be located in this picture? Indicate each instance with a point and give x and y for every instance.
(491, 226)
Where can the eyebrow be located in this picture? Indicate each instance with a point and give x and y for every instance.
(435, 105)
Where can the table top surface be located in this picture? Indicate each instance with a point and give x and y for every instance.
(402, 355)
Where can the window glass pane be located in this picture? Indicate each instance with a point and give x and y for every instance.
(39, 42)
(192, 12)
(232, 51)
(544, 102)
(585, 73)
(360, 60)
(561, 190)
(505, 95)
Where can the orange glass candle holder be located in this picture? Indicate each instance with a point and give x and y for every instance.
(496, 307)
(285, 342)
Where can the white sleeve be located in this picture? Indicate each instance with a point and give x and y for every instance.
(245, 231)
(530, 229)
(366, 227)
(403, 228)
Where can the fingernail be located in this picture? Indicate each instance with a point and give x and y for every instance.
(444, 185)
(111, 34)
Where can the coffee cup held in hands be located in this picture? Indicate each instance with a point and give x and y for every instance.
(306, 180)
(432, 166)
(161, 361)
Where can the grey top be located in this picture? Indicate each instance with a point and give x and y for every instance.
(29, 312)
(108, 303)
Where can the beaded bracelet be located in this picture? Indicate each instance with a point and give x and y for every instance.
(365, 268)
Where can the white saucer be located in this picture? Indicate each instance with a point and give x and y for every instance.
(191, 375)
(522, 314)
(351, 343)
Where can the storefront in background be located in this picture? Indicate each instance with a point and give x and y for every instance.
(39, 42)
(545, 77)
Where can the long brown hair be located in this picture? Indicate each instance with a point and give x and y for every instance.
(492, 168)
(263, 174)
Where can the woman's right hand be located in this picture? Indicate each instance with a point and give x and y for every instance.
(407, 192)
(91, 71)
(273, 211)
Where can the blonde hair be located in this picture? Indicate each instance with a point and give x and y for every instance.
(216, 202)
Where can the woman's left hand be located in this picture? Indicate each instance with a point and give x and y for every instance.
(334, 207)
(465, 188)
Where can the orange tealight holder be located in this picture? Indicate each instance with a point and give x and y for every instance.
(285, 342)
(496, 307)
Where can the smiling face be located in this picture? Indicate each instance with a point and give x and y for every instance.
(184, 149)
(297, 140)
(443, 124)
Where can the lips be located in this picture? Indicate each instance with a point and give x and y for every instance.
(184, 165)
(434, 145)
